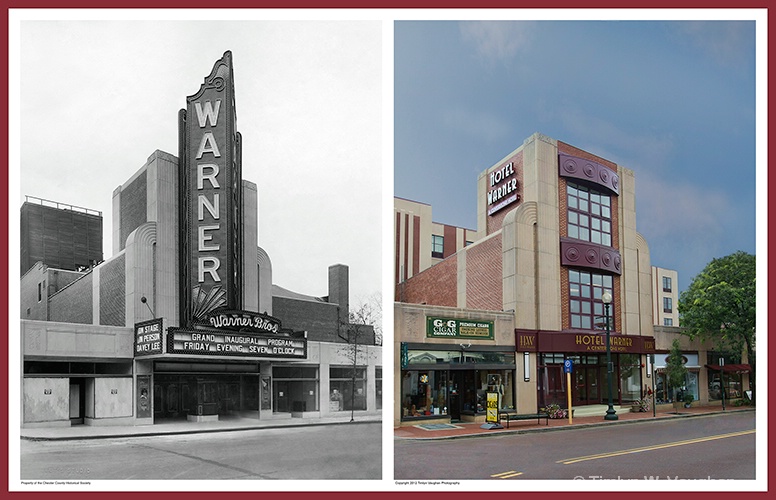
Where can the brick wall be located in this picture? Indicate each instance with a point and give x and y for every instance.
(133, 207)
(318, 319)
(484, 275)
(74, 303)
(112, 292)
(437, 285)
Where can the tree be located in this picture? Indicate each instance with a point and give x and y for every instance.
(363, 326)
(676, 372)
(720, 305)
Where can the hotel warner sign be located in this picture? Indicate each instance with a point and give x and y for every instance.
(210, 197)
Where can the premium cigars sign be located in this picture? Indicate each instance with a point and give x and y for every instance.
(458, 328)
(210, 197)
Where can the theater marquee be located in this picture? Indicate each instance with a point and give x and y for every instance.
(238, 333)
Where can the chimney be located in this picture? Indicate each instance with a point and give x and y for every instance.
(338, 289)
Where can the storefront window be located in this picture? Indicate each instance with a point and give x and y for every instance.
(294, 388)
(630, 376)
(498, 381)
(379, 387)
(665, 394)
(424, 393)
(730, 382)
(428, 393)
(343, 391)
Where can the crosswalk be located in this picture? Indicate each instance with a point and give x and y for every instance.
(506, 475)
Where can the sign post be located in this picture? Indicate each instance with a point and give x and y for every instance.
(568, 367)
(722, 381)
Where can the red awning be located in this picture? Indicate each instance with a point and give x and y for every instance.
(743, 368)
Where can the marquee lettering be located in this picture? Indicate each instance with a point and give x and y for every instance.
(210, 113)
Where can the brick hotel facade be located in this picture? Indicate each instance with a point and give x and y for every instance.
(502, 308)
(183, 321)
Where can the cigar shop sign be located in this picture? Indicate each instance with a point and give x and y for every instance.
(459, 328)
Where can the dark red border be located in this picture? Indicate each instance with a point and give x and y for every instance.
(383, 4)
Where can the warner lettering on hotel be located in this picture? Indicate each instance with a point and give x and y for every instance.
(184, 321)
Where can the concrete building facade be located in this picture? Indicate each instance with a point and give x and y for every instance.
(556, 233)
(183, 321)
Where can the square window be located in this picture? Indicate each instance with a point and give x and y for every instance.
(573, 218)
(583, 205)
(573, 232)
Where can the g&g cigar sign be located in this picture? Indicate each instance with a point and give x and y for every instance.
(459, 328)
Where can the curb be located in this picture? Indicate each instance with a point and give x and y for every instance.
(575, 426)
(191, 431)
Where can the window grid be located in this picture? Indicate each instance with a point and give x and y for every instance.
(437, 245)
(585, 306)
(589, 215)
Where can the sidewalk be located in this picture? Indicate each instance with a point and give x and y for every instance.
(184, 427)
(459, 430)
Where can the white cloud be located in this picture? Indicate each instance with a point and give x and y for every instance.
(687, 214)
(725, 42)
(612, 141)
(497, 41)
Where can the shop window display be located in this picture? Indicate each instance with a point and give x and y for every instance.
(630, 377)
(429, 393)
(344, 396)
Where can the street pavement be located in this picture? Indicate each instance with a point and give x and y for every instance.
(184, 427)
(466, 430)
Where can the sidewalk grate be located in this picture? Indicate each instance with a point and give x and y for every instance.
(437, 427)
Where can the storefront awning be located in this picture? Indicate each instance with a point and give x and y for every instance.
(741, 368)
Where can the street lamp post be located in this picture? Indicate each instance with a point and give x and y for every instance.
(606, 298)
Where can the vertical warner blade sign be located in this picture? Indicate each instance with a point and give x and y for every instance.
(210, 186)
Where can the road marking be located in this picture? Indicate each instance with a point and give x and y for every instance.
(506, 475)
(568, 461)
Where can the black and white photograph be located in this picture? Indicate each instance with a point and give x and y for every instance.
(200, 249)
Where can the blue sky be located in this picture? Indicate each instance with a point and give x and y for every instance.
(672, 101)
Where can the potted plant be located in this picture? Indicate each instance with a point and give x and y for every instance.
(688, 399)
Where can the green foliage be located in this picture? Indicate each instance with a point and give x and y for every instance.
(720, 305)
(676, 372)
